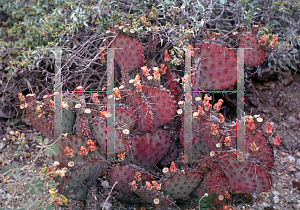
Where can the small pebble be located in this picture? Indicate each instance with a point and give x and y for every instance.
(2, 145)
(259, 207)
(291, 159)
(105, 184)
(108, 206)
(275, 199)
(276, 193)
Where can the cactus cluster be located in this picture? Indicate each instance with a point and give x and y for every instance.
(150, 165)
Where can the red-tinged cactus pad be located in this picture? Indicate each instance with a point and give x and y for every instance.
(182, 184)
(124, 174)
(130, 54)
(147, 150)
(257, 147)
(69, 117)
(211, 139)
(199, 147)
(125, 117)
(145, 114)
(43, 123)
(170, 83)
(254, 56)
(163, 105)
(74, 143)
(208, 165)
(79, 178)
(218, 66)
(99, 131)
(84, 126)
(244, 177)
(154, 197)
(219, 185)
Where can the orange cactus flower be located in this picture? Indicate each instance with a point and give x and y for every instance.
(190, 47)
(227, 141)
(83, 151)
(276, 141)
(133, 185)
(173, 167)
(95, 98)
(214, 129)
(138, 176)
(273, 42)
(200, 111)
(148, 185)
(221, 118)
(250, 125)
(145, 71)
(218, 105)
(69, 152)
(167, 56)
(163, 68)
(269, 128)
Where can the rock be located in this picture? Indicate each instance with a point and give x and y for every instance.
(296, 206)
(265, 204)
(108, 206)
(2, 145)
(298, 154)
(291, 159)
(275, 199)
(6, 196)
(276, 193)
(259, 207)
(298, 162)
(105, 184)
(292, 119)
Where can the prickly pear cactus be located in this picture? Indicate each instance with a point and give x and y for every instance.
(148, 132)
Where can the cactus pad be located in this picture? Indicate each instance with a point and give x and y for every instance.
(128, 48)
(163, 105)
(217, 66)
(182, 183)
(145, 114)
(99, 131)
(245, 177)
(254, 56)
(149, 149)
(83, 175)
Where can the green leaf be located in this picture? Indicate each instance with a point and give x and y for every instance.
(41, 185)
(39, 140)
(213, 198)
(32, 191)
(35, 182)
(51, 184)
(4, 171)
(46, 141)
(54, 148)
(48, 152)
(39, 191)
(204, 202)
(28, 187)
